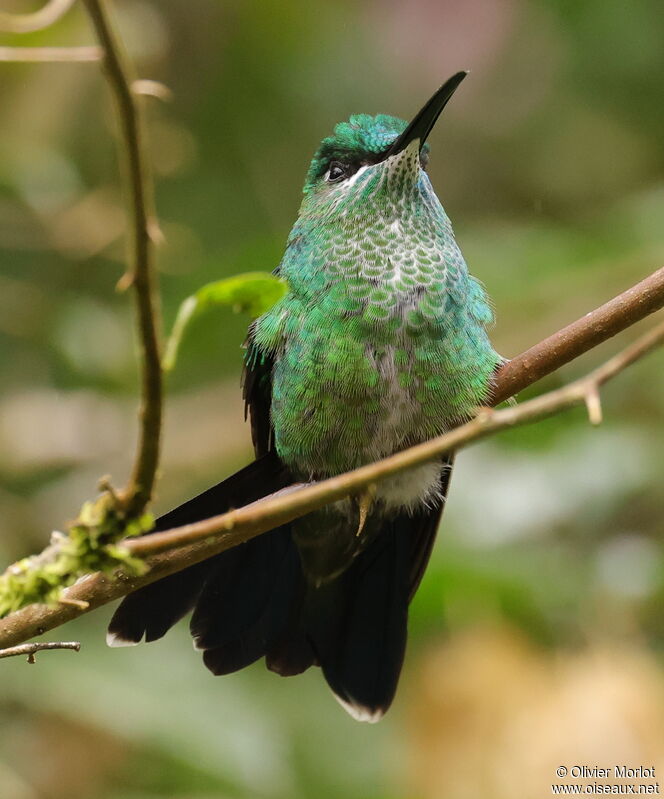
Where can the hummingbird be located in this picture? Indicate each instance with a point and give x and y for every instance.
(380, 343)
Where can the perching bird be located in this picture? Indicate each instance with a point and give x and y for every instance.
(379, 343)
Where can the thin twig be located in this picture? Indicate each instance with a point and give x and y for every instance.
(37, 20)
(138, 491)
(209, 537)
(31, 649)
(51, 54)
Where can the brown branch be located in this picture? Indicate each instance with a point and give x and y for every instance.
(199, 541)
(31, 649)
(138, 491)
(37, 20)
(51, 54)
(587, 332)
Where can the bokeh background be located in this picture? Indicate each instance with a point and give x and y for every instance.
(537, 633)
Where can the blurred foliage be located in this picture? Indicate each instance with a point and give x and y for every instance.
(550, 164)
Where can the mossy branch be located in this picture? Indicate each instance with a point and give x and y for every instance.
(91, 545)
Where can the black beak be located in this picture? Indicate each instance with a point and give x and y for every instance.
(424, 121)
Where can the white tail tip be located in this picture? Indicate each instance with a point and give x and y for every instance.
(114, 639)
(360, 713)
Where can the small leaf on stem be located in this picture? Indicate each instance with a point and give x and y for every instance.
(251, 292)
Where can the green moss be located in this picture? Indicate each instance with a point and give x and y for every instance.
(92, 545)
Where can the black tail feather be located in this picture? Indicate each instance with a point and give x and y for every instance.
(235, 596)
(153, 610)
(360, 634)
(291, 653)
(241, 612)
(253, 600)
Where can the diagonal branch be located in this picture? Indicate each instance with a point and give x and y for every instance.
(141, 276)
(268, 513)
(192, 543)
(587, 332)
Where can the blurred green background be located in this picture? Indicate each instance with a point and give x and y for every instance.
(538, 631)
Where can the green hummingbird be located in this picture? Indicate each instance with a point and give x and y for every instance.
(380, 343)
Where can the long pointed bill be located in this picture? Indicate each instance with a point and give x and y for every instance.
(422, 124)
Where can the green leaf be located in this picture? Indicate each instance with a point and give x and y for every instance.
(251, 292)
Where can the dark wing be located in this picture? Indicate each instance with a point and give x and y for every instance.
(153, 610)
(257, 394)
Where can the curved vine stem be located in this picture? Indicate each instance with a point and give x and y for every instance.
(141, 274)
(37, 20)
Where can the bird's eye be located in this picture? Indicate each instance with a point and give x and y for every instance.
(336, 172)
